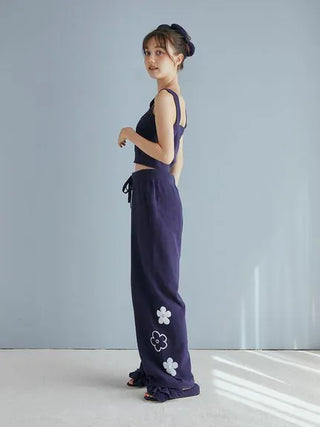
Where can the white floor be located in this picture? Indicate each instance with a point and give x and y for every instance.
(87, 388)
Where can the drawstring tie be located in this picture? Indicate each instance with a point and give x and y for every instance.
(127, 188)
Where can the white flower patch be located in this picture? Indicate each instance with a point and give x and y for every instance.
(170, 366)
(164, 315)
(159, 341)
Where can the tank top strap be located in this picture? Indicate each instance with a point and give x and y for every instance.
(176, 100)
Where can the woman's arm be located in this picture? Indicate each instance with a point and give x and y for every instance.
(176, 169)
(153, 149)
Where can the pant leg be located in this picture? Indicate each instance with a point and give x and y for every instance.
(159, 310)
(139, 376)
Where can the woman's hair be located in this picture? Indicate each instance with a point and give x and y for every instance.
(175, 34)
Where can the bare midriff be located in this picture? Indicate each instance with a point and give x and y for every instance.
(139, 166)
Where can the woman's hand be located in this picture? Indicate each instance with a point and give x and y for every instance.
(124, 135)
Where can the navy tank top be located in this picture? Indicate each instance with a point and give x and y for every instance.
(146, 127)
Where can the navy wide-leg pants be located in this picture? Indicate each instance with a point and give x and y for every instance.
(159, 311)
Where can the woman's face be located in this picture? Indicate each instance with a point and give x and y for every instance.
(158, 59)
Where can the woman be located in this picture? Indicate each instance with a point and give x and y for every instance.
(157, 222)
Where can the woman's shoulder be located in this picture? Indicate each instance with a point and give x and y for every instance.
(166, 94)
(167, 102)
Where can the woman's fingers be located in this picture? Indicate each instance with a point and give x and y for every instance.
(121, 139)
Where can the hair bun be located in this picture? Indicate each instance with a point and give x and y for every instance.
(186, 37)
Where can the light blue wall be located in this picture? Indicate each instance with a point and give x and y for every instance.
(72, 75)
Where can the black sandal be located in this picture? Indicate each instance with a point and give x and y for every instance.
(136, 383)
(139, 378)
(161, 394)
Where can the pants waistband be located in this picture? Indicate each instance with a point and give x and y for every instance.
(141, 173)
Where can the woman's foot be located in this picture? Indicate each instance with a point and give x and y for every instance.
(185, 392)
(148, 396)
(134, 383)
(151, 397)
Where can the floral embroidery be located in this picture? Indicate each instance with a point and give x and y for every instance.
(170, 366)
(163, 315)
(159, 341)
